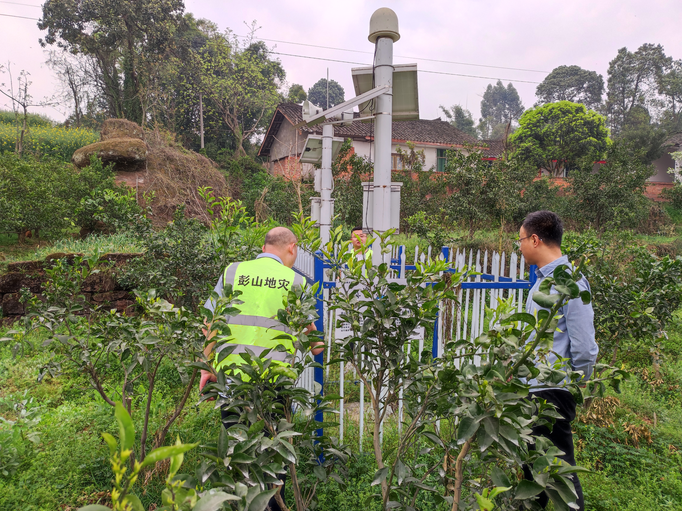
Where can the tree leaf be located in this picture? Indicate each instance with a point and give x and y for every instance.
(484, 503)
(527, 489)
(260, 502)
(94, 507)
(213, 501)
(499, 477)
(134, 501)
(161, 453)
(524, 317)
(466, 429)
(380, 476)
(126, 429)
(111, 442)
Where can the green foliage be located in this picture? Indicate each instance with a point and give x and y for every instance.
(240, 82)
(633, 84)
(48, 141)
(487, 396)
(266, 196)
(613, 196)
(635, 293)
(179, 262)
(18, 436)
(349, 171)
(296, 94)
(317, 94)
(460, 118)
(574, 84)
(46, 194)
(123, 42)
(500, 106)
(137, 345)
(32, 120)
(558, 135)
(482, 190)
(674, 196)
(175, 497)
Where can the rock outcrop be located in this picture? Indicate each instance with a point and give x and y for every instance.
(127, 154)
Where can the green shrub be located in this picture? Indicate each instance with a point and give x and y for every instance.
(46, 194)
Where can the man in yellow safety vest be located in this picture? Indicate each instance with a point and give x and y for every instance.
(264, 282)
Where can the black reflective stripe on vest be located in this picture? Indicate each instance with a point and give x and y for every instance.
(269, 323)
(279, 356)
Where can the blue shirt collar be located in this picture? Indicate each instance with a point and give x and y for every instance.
(549, 268)
(271, 256)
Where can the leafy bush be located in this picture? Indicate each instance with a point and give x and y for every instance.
(613, 196)
(673, 196)
(635, 292)
(47, 194)
(18, 436)
(47, 141)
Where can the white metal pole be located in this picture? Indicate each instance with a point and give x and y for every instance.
(326, 183)
(383, 75)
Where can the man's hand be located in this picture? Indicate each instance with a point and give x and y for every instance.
(317, 351)
(206, 377)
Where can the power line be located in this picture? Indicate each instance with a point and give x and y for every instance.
(398, 56)
(17, 3)
(22, 17)
(420, 70)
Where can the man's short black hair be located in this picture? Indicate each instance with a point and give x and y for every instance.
(357, 229)
(546, 224)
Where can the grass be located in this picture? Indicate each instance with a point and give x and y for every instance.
(39, 249)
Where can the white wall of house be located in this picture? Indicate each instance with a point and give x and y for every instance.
(362, 148)
(288, 142)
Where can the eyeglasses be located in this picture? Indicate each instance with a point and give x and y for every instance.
(517, 242)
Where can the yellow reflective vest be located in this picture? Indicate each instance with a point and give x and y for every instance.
(264, 282)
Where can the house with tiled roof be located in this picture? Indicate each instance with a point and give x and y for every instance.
(284, 143)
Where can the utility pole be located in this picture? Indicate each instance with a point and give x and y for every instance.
(201, 119)
(327, 89)
(383, 31)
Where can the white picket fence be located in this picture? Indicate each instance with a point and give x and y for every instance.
(464, 318)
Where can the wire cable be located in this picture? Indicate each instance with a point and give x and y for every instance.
(22, 17)
(18, 3)
(397, 56)
(419, 70)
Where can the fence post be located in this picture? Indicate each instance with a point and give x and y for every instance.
(318, 275)
(532, 276)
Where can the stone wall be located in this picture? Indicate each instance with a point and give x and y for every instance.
(100, 289)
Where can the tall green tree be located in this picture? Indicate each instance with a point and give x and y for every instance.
(558, 135)
(241, 83)
(296, 94)
(500, 105)
(670, 89)
(122, 38)
(317, 94)
(633, 82)
(572, 83)
(460, 118)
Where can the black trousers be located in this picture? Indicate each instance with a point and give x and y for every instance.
(561, 436)
(272, 505)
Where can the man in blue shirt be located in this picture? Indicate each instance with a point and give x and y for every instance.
(540, 243)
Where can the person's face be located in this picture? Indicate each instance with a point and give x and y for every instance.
(358, 238)
(528, 245)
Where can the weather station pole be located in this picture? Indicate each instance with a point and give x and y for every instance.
(383, 31)
(326, 183)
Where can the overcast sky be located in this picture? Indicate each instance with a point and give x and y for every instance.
(533, 35)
